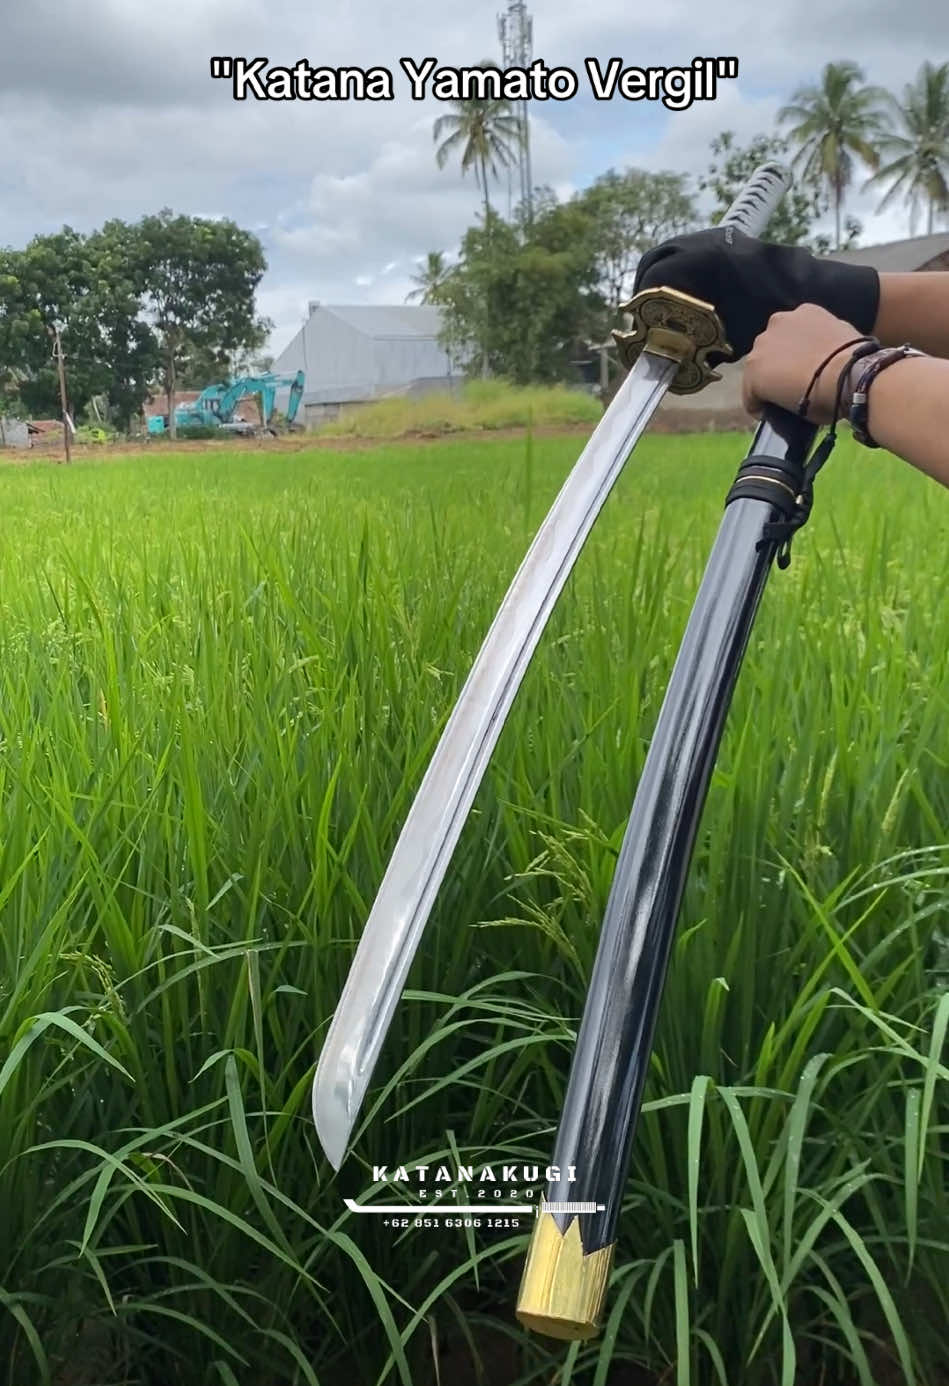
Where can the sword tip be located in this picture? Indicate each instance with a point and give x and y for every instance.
(331, 1121)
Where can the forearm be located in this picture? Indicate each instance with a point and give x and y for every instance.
(914, 308)
(908, 412)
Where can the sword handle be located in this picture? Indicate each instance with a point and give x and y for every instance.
(750, 212)
(758, 200)
(680, 328)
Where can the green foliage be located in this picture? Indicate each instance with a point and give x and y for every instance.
(478, 404)
(483, 134)
(526, 296)
(166, 295)
(95, 433)
(221, 679)
(916, 151)
(429, 280)
(200, 277)
(195, 432)
(628, 213)
(87, 284)
(521, 302)
(833, 123)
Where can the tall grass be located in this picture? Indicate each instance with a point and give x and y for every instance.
(478, 404)
(221, 679)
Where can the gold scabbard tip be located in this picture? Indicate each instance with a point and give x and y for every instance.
(562, 1290)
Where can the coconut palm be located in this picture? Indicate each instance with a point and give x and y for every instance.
(485, 132)
(917, 150)
(430, 278)
(834, 123)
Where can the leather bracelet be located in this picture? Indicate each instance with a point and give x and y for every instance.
(864, 345)
(858, 405)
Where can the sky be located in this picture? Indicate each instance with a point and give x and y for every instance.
(108, 109)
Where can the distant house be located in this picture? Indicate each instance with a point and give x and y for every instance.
(721, 401)
(919, 253)
(356, 354)
(158, 403)
(44, 431)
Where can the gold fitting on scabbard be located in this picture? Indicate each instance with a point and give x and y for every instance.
(681, 328)
(562, 1290)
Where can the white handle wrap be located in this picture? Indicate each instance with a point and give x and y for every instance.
(758, 200)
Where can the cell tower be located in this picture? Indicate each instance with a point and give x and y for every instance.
(516, 32)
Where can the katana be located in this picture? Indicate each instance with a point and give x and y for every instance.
(570, 1255)
(667, 349)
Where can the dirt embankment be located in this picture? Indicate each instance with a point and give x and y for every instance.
(667, 421)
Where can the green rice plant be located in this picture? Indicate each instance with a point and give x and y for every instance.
(221, 679)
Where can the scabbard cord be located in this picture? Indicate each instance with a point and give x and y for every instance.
(768, 480)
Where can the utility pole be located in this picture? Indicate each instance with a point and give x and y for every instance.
(61, 368)
(516, 32)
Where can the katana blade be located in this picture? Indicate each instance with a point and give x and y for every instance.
(437, 816)
(672, 336)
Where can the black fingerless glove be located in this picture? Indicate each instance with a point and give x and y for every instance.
(747, 280)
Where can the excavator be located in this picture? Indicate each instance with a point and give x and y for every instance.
(216, 406)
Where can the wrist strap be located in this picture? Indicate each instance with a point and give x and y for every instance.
(794, 517)
(859, 401)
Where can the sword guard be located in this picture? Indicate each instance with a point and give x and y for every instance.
(681, 328)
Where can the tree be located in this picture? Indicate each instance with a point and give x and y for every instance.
(833, 124)
(917, 150)
(125, 340)
(200, 277)
(731, 167)
(518, 302)
(627, 213)
(853, 229)
(199, 366)
(485, 132)
(83, 283)
(430, 279)
(132, 302)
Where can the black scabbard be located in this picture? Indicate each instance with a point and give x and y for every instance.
(571, 1252)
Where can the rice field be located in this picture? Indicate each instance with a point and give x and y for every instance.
(221, 679)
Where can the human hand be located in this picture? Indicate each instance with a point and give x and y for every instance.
(747, 281)
(784, 357)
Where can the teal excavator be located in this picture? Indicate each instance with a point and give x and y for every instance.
(216, 406)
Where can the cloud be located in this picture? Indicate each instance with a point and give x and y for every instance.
(108, 110)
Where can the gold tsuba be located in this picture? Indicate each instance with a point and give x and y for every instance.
(679, 327)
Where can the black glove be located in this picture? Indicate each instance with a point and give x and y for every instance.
(747, 280)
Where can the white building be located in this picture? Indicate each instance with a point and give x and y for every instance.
(14, 433)
(356, 354)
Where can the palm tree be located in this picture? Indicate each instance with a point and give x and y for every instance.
(833, 123)
(485, 131)
(430, 278)
(918, 150)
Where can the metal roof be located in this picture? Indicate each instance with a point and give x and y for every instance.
(402, 320)
(898, 257)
